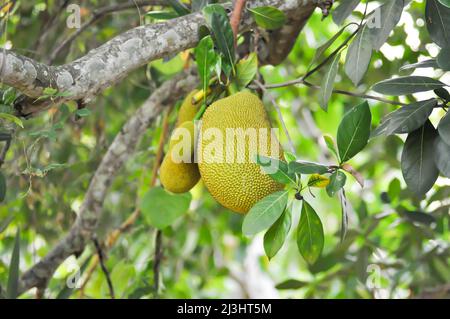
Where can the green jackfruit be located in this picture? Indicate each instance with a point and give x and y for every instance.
(187, 110)
(237, 181)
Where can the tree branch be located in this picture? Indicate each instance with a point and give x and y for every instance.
(100, 68)
(119, 151)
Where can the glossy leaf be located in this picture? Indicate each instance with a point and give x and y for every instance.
(443, 59)
(265, 213)
(407, 85)
(354, 131)
(445, 3)
(276, 169)
(358, 55)
(206, 58)
(329, 141)
(390, 14)
(431, 63)
(444, 128)
(223, 36)
(268, 17)
(291, 284)
(277, 233)
(337, 182)
(310, 237)
(417, 162)
(438, 22)
(307, 168)
(246, 70)
(442, 158)
(161, 208)
(319, 181)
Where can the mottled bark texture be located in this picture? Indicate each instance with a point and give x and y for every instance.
(123, 145)
(99, 69)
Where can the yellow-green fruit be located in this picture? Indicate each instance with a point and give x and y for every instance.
(236, 184)
(187, 110)
(178, 172)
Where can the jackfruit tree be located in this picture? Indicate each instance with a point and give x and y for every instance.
(205, 148)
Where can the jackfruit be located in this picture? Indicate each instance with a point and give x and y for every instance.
(178, 172)
(236, 181)
(188, 110)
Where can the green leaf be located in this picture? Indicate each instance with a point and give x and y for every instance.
(161, 208)
(443, 59)
(210, 9)
(277, 233)
(162, 15)
(319, 181)
(224, 37)
(246, 70)
(390, 14)
(291, 284)
(5, 223)
(438, 22)
(289, 156)
(268, 17)
(442, 157)
(407, 85)
(265, 213)
(321, 50)
(326, 88)
(310, 237)
(358, 56)
(337, 182)
(9, 96)
(276, 169)
(302, 167)
(329, 141)
(431, 63)
(179, 7)
(49, 91)
(12, 119)
(206, 60)
(445, 3)
(443, 94)
(444, 128)
(198, 5)
(354, 131)
(84, 112)
(2, 187)
(344, 9)
(407, 118)
(417, 162)
(12, 290)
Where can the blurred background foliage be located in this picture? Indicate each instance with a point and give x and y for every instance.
(388, 253)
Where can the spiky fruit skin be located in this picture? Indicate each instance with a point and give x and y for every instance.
(187, 110)
(236, 185)
(178, 172)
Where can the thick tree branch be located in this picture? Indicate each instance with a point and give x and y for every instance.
(117, 154)
(86, 77)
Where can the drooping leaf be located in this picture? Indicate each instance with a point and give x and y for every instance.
(319, 181)
(268, 17)
(246, 70)
(344, 9)
(358, 55)
(161, 208)
(276, 169)
(354, 131)
(12, 118)
(442, 157)
(307, 168)
(291, 284)
(438, 22)
(223, 37)
(326, 88)
(265, 213)
(390, 13)
(277, 233)
(329, 141)
(408, 118)
(443, 59)
(337, 182)
(344, 213)
(321, 50)
(444, 128)
(12, 290)
(310, 237)
(417, 162)
(431, 63)
(407, 85)
(206, 60)
(2, 187)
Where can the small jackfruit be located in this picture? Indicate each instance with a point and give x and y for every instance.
(235, 180)
(188, 110)
(178, 172)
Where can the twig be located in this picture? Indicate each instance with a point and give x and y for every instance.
(157, 260)
(97, 15)
(236, 17)
(277, 108)
(103, 266)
